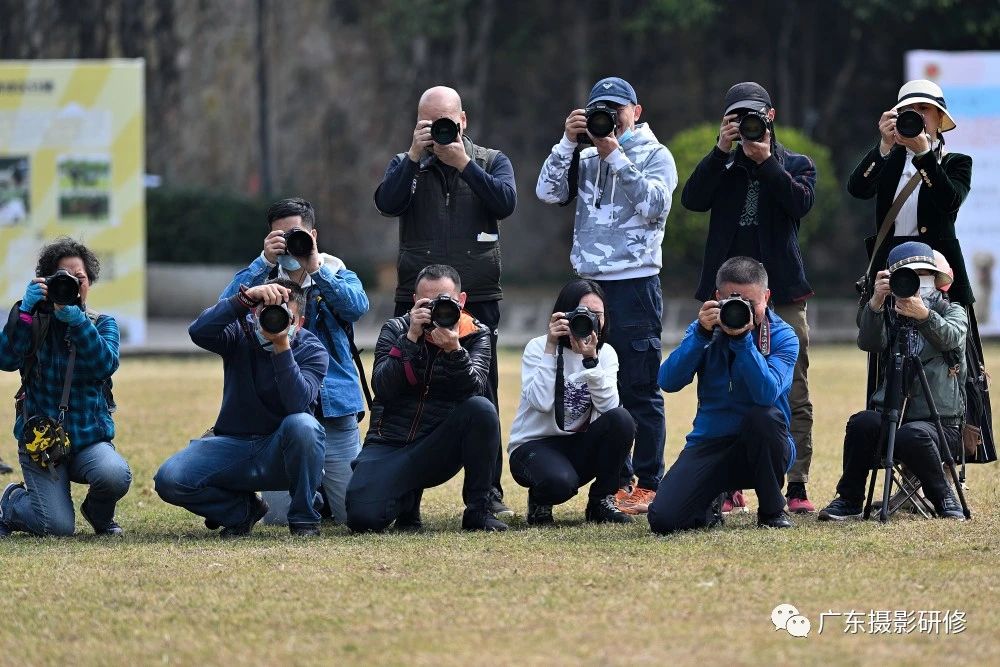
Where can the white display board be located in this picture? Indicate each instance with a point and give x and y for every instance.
(971, 84)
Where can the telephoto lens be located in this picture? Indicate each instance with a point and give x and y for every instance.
(298, 242)
(909, 123)
(602, 119)
(904, 282)
(753, 126)
(582, 322)
(64, 288)
(735, 312)
(274, 318)
(445, 311)
(444, 131)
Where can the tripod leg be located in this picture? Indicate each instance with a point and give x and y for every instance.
(890, 447)
(943, 449)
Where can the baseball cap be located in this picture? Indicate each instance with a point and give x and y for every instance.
(747, 95)
(613, 89)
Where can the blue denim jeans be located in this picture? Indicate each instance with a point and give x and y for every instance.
(216, 477)
(46, 506)
(343, 443)
(635, 315)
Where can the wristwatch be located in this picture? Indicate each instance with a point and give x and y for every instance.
(590, 362)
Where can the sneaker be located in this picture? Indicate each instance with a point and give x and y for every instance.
(538, 514)
(635, 501)
(482, 519)
(604, 510)
(841, 509)
(779, 520)
(734, 501)
(497, 506)
(6, 530)
(242, 530)
(798, 501)
(110, 530)
(949, 507)
(5, 469)
(304, 529)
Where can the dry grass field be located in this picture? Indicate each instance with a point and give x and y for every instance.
(171, 593)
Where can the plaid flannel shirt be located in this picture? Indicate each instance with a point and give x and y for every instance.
(88, 420)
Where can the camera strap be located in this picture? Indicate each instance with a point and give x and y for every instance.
(573, 178)
(39, 330)
(764, 337)
(67, 382)
(890, 217)
(560, 405)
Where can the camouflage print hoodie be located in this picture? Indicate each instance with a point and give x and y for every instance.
(622, 206)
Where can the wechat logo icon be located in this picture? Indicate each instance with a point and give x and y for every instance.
(786, 617)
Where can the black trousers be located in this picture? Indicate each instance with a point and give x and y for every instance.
(487, 312)
(917, 446)
(389, 480)
(757, 457)
(554, 468)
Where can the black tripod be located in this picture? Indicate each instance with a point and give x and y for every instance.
(905, 361)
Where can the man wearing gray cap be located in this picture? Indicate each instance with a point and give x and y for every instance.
(758, 191)
(623, 186)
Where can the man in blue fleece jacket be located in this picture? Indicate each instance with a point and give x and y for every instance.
(265, 437)
(740, 437)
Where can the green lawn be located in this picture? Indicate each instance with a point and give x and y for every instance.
(172, 593)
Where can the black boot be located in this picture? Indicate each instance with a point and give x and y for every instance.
(409, 521)
(538, 513)
(779, 520)
(948, 507)
(480, 518)
(110, 530)
(605, 510)
(257, 513)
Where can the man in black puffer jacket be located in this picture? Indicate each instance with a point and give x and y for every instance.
(430, 417)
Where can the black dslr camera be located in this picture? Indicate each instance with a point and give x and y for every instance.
(582, 322)
(63, 288)
(275, 318)
(298, 242)
(904, 282)
(909, 123)
(602, 121)
(735, 312)
(445, 312)
(753, 124)
(444, 131)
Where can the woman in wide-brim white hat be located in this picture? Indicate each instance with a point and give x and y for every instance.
(929, 213)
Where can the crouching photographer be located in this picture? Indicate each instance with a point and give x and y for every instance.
(66, 354)
(430, 418)
(744, 356)
(570, 428)
(908, 309)
(265, 437)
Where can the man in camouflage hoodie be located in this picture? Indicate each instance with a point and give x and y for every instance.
(624, 188)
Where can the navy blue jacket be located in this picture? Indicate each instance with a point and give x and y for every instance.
(260, 388)
(733, 376)
(787, 188)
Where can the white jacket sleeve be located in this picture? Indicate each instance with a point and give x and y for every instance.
(602, 380)
(538, 376)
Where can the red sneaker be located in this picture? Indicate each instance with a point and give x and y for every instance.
(635, 500)
(735, 502)
(798, 501)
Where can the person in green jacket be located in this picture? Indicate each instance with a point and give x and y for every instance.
(941, 328)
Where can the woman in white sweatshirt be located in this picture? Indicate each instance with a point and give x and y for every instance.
(570, 428)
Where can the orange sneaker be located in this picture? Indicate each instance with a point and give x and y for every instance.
(635, 501)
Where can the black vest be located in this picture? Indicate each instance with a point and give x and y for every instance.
(442, 225)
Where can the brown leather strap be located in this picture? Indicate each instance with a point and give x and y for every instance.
(890, 216)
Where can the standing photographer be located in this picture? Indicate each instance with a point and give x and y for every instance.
(744, 356)
(66, 354)
(265, 437)
(431, 418)
(569, 428)
(624, 189)
(941, 328)
(758, 191)
(335, 300)
(449, 195)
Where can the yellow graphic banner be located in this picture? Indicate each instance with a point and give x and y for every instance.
(72, 163)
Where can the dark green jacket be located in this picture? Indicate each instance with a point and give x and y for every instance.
(945, 186)
(942, 356)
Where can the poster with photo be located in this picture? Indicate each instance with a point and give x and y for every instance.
(84, 188)
(15, 190)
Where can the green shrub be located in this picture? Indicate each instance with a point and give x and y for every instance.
(189, 226)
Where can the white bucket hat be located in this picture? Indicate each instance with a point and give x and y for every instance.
(922, 90)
